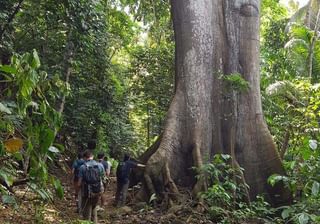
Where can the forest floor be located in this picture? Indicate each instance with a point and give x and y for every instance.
(31, 210)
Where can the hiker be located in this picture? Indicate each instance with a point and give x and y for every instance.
(106, 164)
(91, 174)
(123, 173)
(108, 172)
(107, 168)
(75, 172)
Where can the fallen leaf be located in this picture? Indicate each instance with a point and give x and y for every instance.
(12, 145)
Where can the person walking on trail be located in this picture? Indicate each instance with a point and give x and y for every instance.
(75, 172)
(107, 168)
(123, 173)
(91, 174)
(105, 163)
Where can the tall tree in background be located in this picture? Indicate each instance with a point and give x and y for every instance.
(216, 107)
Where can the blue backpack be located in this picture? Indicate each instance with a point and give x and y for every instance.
(92, 179)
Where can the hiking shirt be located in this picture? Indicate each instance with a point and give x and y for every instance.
(76, 166)
(128, 165)
(104, 164)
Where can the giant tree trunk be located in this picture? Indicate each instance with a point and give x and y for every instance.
(214, 38)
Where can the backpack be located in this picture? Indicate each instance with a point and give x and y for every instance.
(121, 171)
(92, 180)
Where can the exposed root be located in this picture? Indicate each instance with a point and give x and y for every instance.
(149, 183)
(158, 181)
(168, 182)
(201, 184)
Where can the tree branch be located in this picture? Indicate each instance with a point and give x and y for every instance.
(15, 183)
(285, 144)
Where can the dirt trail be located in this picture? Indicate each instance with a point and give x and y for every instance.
(64, 210)
(67, 206)
(134, 213)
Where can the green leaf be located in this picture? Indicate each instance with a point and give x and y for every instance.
(43, 194)
(6, 177)
(315, 188)
(225, 156)
(273, 179)
(306, 153)
(53, 149)
(35, 60)
(8, 199)
(8, 69)
(59, 147)
(152, 198)
(18, 156)
(286, 213)
(303, 218)
(5, 109)
(58, 187)
(46, 139)
(1, 148)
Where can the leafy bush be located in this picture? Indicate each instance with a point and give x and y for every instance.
(28, 125)
(226, 194)
(303, 180)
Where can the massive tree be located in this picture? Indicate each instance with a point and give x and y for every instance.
(215, 40)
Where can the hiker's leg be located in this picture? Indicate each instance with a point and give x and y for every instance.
(94, 202)
(103, 196)
(79, 204)
(124, 192)
(86, 209)
(76, 192)
(118, 192)
(103, 199)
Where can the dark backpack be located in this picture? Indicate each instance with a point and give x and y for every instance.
(92, 180)
(122, 171)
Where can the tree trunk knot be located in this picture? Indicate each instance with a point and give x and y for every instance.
(249, 10)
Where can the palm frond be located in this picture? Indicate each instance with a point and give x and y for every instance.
(297, 17)
(316, 60)
(281, 88)
(300, 32)
(299, 43)
(298, 51)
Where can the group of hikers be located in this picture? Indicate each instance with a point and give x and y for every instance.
(91, 178)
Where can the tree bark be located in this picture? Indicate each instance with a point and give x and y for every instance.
(214, 39)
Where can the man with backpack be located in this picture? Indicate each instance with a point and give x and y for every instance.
(123, 173)
(91, 174)
(75, 172)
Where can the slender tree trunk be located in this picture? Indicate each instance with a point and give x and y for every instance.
(10, 19)
(214, 39)
(315, 37)
(67, 58)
